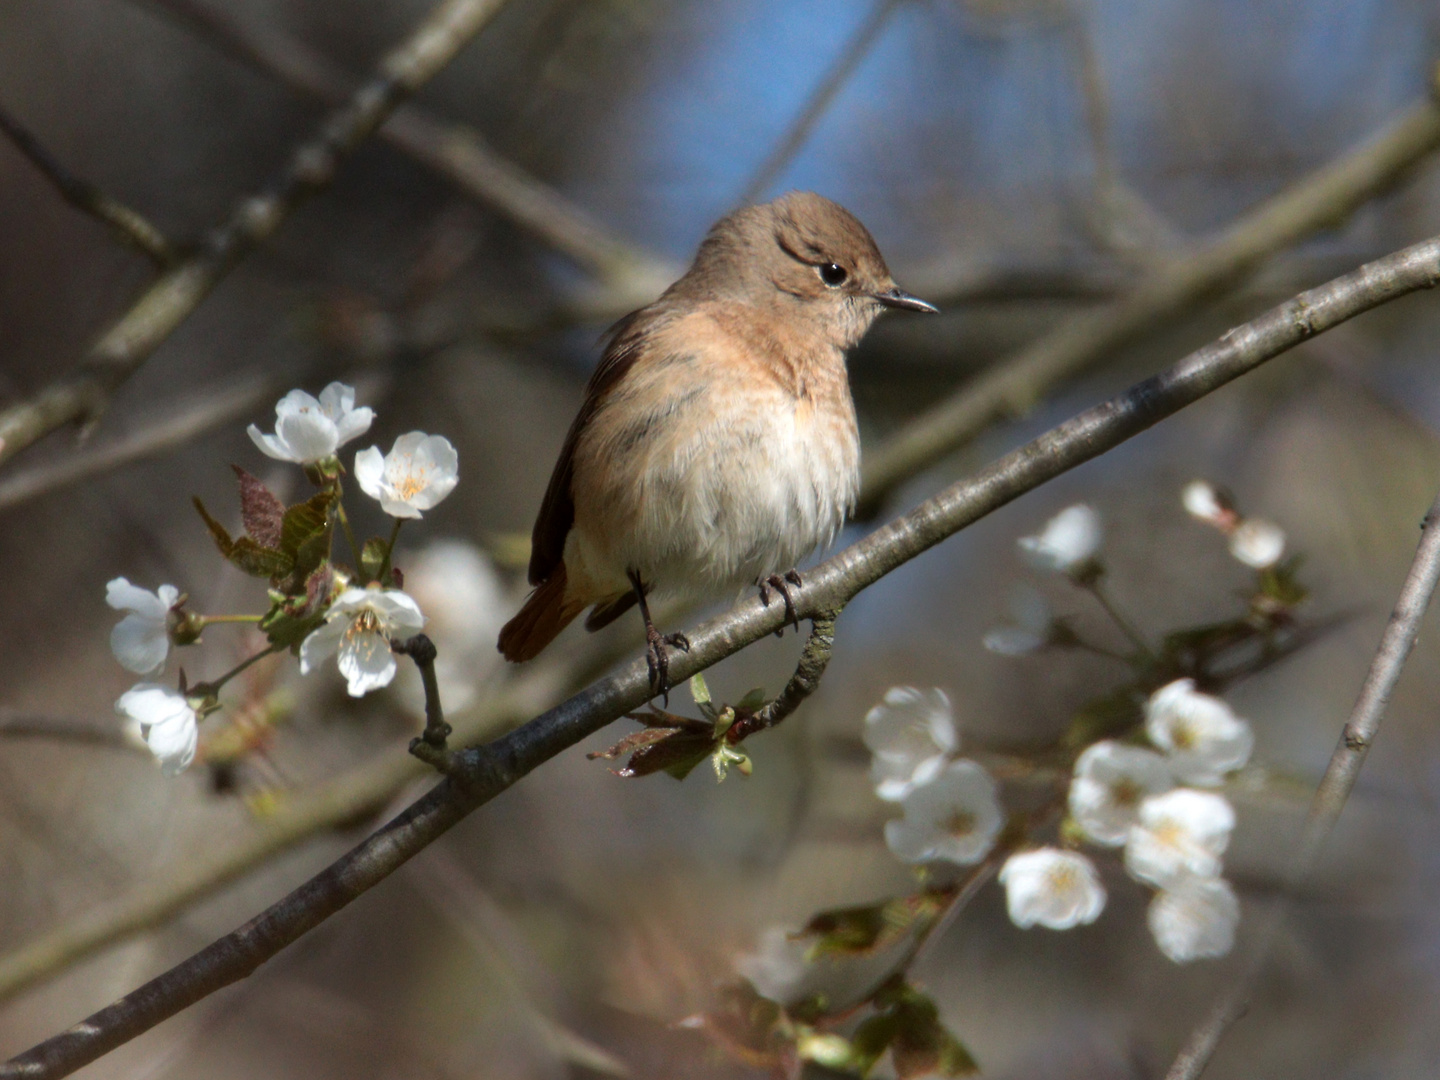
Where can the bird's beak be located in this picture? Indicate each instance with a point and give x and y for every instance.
(899, 298)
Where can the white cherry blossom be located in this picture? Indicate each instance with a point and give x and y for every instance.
(1194, 919)
(1180, 834)
(911, 734)
(1067, 542)
(141, 640)
(1201, 736)
(1030, 631)
(1258, 543)
(465, 604)
(166, 723)
(954, 816)
(1110, 781)
(416, 475)
(1201, 500)
(360, 625)
(1052, 888)
(308, 429)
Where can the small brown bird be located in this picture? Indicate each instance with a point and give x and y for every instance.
(716, 446)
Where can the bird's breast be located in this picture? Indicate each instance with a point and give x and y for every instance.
(705, 474)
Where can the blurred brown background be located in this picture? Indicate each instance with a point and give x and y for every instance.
(1051, 152)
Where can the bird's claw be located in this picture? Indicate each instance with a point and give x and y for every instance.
(782, 586)
(657, 659)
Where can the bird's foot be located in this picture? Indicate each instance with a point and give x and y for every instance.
(657, 658)
(782, 586)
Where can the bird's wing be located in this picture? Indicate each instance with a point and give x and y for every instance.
(557, 509)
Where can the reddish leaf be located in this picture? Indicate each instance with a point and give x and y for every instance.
(260, 510)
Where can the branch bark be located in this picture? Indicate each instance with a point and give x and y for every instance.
(481, 773)
(129, 226)
(171, 300)
(1318, 201)
(455, 151)
(1356, 739)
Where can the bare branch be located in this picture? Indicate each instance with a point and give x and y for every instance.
(129, 226)
(1356, 739)
(176, 426)
(820, 101)
(181, 289)
(17, 724)
(481, 773)
(1011, 387)
(455, 151)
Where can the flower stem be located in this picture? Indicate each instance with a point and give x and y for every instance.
(394, 535)
(1134, 636)
(206, 620)
(213, 687)
(345, 525)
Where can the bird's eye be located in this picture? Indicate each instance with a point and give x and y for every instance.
(833, 274)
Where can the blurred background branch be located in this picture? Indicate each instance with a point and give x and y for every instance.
(1013, 385)
(82, 395)
(128, 225)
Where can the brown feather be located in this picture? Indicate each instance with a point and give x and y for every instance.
(557, 509)
(545, 614)
(605, 614)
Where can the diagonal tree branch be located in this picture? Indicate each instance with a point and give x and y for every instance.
(483, 772)
(1356, 739)
(129, 226)
(455, 151)
(171, 300)
(1318, 201)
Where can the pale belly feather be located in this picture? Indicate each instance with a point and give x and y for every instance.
(711, 490)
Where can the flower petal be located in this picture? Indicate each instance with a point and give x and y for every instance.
(1194, 919)
(367, 662)
(370, 472)
(140, 644)
(122, 596)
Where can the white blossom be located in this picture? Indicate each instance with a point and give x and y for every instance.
(465, 604)
(911, 734)
(141, 640)
(1202, 501)
(1110, 781)
(416, 475)
(309, 430)
(1200, 734)
(1180, 834)
(1194, 919)
(953, 816)
(1067, 541)
(166, 723)
(1030, 630)
(1053, 888)
(1258, 543)
(360, 625)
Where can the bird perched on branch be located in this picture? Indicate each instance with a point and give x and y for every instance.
(716, 446)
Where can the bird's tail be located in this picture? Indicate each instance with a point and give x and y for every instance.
(547, 611)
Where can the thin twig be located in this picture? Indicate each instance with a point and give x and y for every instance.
(814, 659)
(1317, 201)
(456, 151)
(820, 100)
(481, 773)
(129, 226)
(171, 300)
(1356, 739)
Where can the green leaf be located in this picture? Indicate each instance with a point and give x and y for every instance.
(699, 689)
(245, 553)
(374, 559)
(751, 701)
(305, 534)
(872, 1038)
(866, 928)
